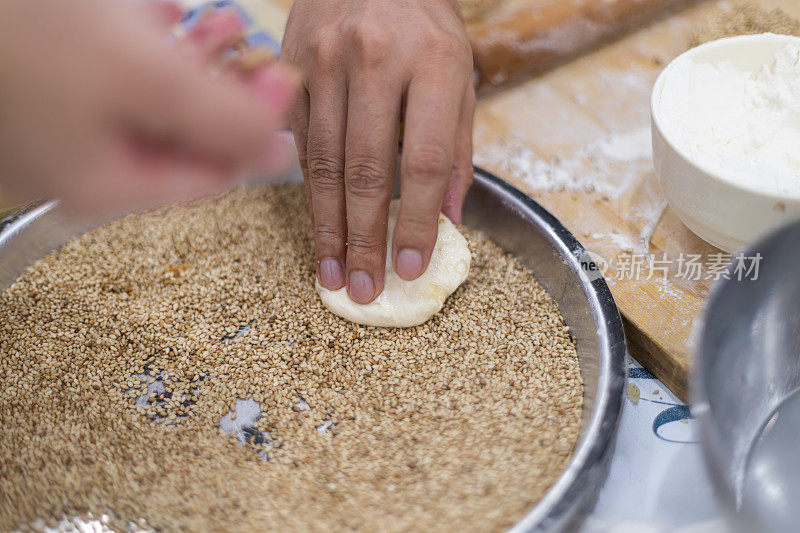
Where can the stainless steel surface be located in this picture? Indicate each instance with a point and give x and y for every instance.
(747, 364)
(524, 228)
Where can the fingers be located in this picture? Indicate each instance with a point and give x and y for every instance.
(131, 174)
(370, 160)
(325, 155)
(298, 121)
(166, 12)
(225, 119)
(462, 173)
(222, 118)
(170, 175)
(214, 32)
(431, 128)
(144, 174)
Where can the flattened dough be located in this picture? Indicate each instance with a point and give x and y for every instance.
(404, 303)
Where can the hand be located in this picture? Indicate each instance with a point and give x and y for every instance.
(104, 108)
(368, 64)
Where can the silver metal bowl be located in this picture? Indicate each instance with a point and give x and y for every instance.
(747, 367)
(555, 257)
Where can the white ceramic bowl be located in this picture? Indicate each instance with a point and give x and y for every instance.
(726, 214)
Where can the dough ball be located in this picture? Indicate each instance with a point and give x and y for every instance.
(404, 303)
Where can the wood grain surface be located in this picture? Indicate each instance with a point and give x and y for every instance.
(527, 37)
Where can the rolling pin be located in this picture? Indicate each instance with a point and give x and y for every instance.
(510, 44)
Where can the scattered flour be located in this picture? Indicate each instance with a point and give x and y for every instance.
(581, 100)
(652, 217)
(628, 146)
(621, 241)
(607, 166)
(633, 243)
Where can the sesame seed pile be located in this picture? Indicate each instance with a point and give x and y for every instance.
(123, 351)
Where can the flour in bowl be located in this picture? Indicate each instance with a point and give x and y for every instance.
(743, 126)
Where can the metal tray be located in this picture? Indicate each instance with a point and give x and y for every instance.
(541, 242)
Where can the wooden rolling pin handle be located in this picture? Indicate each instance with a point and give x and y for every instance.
(531, 40)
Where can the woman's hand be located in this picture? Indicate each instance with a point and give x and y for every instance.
(103, 107)
(368, 65)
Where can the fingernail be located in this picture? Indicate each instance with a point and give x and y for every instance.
(361, 287)
(331, 275)
(276, 86)
(409, 264)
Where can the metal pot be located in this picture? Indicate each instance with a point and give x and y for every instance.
(746, 375)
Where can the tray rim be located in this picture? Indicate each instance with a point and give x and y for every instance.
(574, 493)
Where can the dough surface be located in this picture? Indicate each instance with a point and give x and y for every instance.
(404, 303)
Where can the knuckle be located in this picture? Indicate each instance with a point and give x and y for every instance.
(323, 45)
(371, 43)
(464, 49)
(415, 223)
(459, 61)
(443, 45)
(428, 161)
(325, 171)
(365, 244)
(367, 177)
(329, 234)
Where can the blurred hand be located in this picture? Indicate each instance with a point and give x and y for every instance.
(103, 107)
(367, 65)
